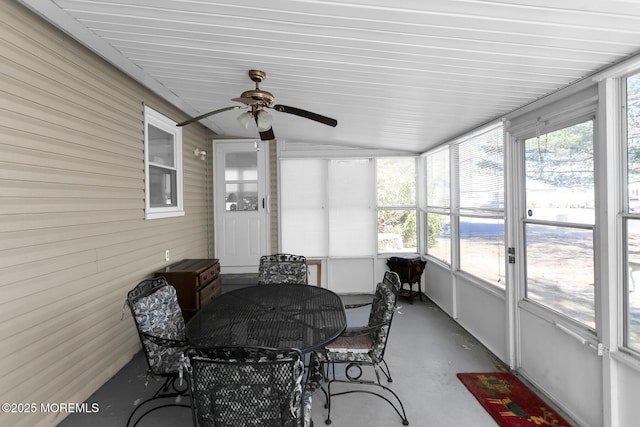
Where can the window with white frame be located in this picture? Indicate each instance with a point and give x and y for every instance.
(438, 200)
(397, 213)
(480, 171)
(631, 216)
(163, 166)
(327, 207)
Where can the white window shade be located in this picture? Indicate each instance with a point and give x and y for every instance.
(302, 205)
(351, 215)
(328, 207)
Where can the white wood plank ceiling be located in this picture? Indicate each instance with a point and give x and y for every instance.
(404, 75)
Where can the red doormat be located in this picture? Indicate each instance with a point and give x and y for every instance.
(509, 401)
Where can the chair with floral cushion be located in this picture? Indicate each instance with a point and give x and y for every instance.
(365, 346)
(282, 268)
(248, 386)
(161, 328)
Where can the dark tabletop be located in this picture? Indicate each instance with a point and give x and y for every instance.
(278, 316)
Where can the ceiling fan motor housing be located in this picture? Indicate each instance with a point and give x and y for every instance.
(265, 98)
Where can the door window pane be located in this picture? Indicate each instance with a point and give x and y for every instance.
(560, 270)
(241, 196)
(241, 181)
(241, 166)
(559, 184)
(559, 175)
(632, 295)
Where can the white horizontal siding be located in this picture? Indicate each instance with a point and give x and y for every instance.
(73, 238)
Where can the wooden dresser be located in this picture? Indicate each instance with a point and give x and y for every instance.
(196, 282)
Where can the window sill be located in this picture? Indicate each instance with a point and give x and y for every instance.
(163, 214)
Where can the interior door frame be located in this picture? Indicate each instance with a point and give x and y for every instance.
(220, 148)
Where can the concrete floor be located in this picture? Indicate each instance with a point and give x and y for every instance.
(425, 351)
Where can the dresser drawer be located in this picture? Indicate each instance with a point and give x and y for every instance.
(197, 281)
(208, 275)
(211, 290)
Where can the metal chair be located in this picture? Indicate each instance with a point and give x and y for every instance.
(365, 346)
(248, 386)
(160, 326)
(282, 268)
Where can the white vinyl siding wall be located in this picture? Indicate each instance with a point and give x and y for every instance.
(73, 238)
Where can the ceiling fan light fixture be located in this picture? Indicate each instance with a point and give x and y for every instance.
(245, 118)
(263, 120)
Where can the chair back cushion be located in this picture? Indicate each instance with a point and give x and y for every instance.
(392, 278)
(282, 268)
(382, 309)
(158, 314)
(246, 387)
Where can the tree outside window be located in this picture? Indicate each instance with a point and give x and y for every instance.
(397, 213)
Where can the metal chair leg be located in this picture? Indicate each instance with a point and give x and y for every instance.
(355, 379)
(163, 392)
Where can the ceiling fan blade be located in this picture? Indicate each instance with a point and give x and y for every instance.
(306, 114)
(267, 135)
(211, 113)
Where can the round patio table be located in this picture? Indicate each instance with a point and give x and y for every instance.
(275, 316)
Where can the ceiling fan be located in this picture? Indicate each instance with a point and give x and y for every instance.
(257, 100)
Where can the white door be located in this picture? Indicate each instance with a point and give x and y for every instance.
(241, 205)
(558, 311)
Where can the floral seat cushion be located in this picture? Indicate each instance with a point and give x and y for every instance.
(351, 344)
